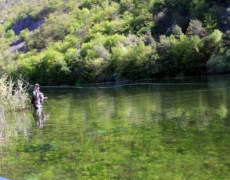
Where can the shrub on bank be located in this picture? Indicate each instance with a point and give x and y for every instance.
(14, 95)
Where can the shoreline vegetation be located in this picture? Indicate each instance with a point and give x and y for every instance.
(14, 98)
(88, 41)
(14, 94)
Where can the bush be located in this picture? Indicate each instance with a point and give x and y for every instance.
(14, 95)
(131, 60)
(219, 64)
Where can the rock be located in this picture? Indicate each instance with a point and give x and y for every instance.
(18, 45)
(28, 23)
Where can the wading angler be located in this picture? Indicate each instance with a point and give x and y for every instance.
(37, 100)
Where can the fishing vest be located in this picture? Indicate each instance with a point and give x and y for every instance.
(37, 99)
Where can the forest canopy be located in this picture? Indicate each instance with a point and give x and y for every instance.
(89, 41)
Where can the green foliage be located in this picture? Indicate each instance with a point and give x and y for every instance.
(179, 56)
(225, 42)
(210, 22)
(13, 94)
(84, 35)
(181, 6)
(177, 31)
(220, 18)
(51, 65)
(197, 9)
(219, 64)
(149, 131)
(215, 37)
(29, 65)
(138, 24)
(54, 67)
(185, 56)
(10, 35)
(55, 5)
(131, 60)
(71, 54)
(34, 40)
(2, 31)
(195, 29)
(57, 26)
(163, 50)
(211, 44)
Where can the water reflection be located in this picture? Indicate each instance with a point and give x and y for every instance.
(40, 117)
(15, 125)
(129, 132)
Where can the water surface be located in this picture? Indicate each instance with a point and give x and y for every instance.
(171, 130)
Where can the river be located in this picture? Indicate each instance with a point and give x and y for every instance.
(146, 130)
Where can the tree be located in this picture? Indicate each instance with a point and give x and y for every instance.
(219, 64)
(210, 22)
(209, 46)
(177, 31)
(133, 62)
(195, 29)
(10, 35)
(198, 9)
(185, 56)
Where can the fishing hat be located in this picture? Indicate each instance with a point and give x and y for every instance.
(37, 85)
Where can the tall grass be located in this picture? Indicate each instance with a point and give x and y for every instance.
(13, 97)
(13, 94)
(2, 126)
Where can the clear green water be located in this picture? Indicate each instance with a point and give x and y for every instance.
(147, 131)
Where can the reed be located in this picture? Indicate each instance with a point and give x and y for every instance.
(13, 94)
(14, 97)
(2, 127)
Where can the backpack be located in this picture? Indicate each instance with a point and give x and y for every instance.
(32, 98)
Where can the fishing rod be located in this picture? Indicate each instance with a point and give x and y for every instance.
(27, 84)
(120, 85)
(50, 104)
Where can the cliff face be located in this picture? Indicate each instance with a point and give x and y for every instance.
(18, 45)
(28, 23)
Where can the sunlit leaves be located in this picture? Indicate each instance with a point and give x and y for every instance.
(2, 31)
(108, 28)
(87, 30)
(10, 34)
(54, 62)
(177, 31)
(185, 57)
(138, 24)
(130, 58)
(178, 56)
(71, 55)
(28, 65)
(215, 37)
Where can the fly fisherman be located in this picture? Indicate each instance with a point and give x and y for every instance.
(37, 100)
